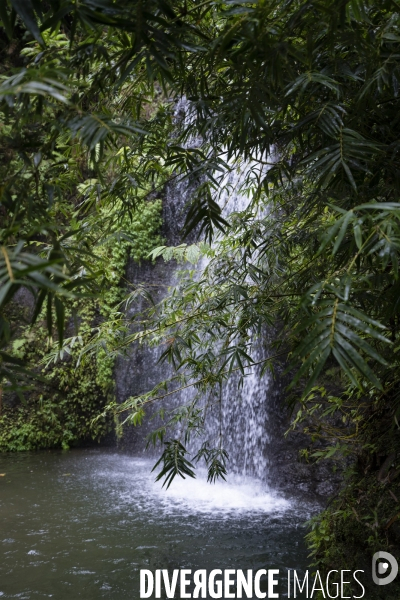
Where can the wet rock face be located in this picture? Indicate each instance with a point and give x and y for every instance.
(289, 471)
(138, 371)
(294, 474)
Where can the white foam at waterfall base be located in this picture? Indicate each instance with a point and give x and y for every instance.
(135, 484)
(237, 494)
(132, 481)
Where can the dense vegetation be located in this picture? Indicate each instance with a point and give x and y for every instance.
(311, 112)
(62, 407)
(67, 228)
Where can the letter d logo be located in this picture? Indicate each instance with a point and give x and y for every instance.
(383, 567)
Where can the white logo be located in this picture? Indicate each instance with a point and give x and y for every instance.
(383, 567)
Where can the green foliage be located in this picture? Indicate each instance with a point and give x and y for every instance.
(360, 433)
(76, 163)
(136, 238)
(331, 185)
(216, 459)
(60, 411)
(65, 407)
(174, 463)
(312, 113)
(362, 521)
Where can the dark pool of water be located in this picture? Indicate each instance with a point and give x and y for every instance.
(81, 524)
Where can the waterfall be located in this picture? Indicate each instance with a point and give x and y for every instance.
(243, 417)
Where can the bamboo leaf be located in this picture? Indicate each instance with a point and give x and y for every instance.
(24, 8)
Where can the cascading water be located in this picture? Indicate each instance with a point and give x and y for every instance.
(243, 419)
(241, 416)
(83, 523)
